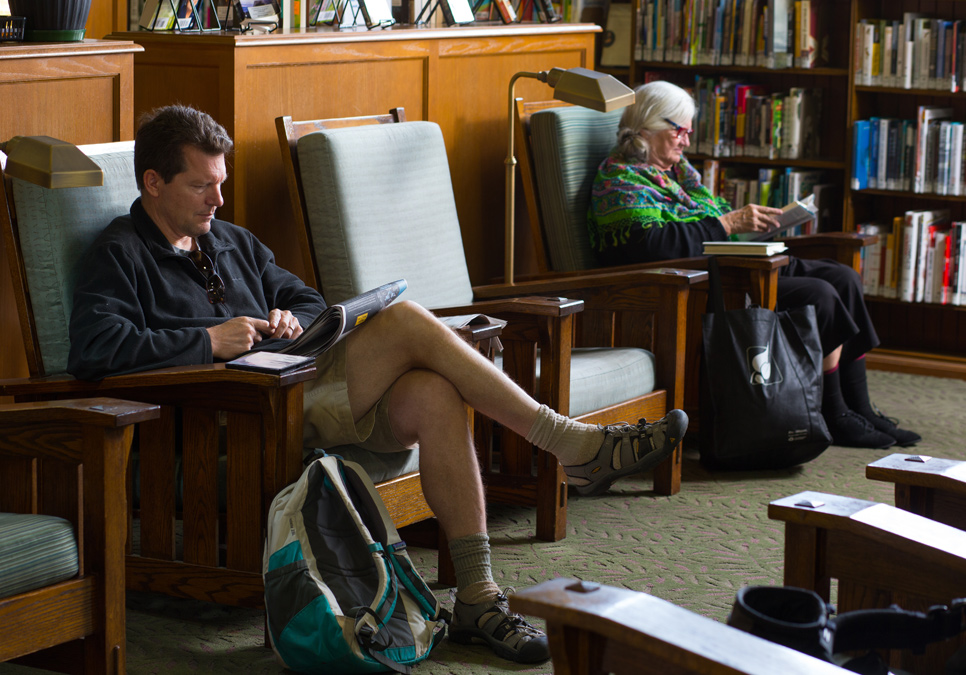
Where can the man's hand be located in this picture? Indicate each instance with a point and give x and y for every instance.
(283, 324)
(751, 218)
(236, 336)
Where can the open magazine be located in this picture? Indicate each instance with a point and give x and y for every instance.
(330, 326)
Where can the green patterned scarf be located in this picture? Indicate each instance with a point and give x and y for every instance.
(628, 196)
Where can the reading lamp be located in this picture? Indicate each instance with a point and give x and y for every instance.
(579, 86)
(50, 163)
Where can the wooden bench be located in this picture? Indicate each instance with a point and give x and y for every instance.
(879, 555)
(602, 629)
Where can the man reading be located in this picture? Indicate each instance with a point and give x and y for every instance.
(168, 284)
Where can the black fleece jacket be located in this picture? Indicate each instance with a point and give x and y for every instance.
(139, 304)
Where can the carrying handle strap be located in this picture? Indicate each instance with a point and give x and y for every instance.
(715, 293)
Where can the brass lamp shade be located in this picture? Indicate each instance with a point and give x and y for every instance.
(589, 89)
(50, 163)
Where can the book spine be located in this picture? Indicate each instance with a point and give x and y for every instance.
(910, 240)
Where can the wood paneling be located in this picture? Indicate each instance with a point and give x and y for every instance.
(80, 92)
(457, 77)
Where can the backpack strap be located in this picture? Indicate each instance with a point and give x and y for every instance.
(385, 532)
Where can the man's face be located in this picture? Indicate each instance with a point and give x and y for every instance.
(185, 207)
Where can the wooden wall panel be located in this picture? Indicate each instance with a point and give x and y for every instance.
(457, 77)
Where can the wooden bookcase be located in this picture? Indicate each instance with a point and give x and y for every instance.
(915, 337)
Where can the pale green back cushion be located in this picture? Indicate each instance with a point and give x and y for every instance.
(380, 207)
(56, 228)
(569, 143)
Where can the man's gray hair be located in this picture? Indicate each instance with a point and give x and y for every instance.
(654, 101)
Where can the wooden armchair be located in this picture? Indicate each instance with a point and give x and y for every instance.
(597, 629)
(562, 146)
(879, 554)
(929, 486)
(219, 556)
(66, 459)
(368, 222)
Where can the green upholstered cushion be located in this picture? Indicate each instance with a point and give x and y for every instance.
(56, 227)
(601, 377)
(569, 143)
(35, 551)
(380, 206)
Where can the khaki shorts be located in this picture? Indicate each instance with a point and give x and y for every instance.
(327, 418)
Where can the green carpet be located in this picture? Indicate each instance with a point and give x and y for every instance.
(694, 549)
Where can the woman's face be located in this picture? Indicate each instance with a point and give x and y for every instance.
(667, 145)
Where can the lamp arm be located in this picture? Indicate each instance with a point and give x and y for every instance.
(511, 165)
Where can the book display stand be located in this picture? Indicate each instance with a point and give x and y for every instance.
(184, 16)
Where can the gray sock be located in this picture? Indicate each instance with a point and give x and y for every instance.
(570, 441)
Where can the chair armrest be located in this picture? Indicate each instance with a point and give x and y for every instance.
(545, 306)
(595, 628)
(181, 385)
(845, 247)
(101, 412)
(568, 284)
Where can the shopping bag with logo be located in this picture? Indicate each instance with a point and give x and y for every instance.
(763, 370)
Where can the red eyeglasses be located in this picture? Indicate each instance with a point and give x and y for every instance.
(679, 131)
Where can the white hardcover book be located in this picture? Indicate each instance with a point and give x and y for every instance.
(909, 257)
(961, 267)
(792, 124)
(778, 52)
(956, 159)
(907, 40)
(881, 171)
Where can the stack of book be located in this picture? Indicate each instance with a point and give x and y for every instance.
(924, 155)
(920, 257)
(736, 119)
(767, 33)
(918, 52)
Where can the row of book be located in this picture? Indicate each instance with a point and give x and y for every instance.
(777, 187)
(924, 155)
(920, 257)
(768, 33)
(737, 119)
(917, 52)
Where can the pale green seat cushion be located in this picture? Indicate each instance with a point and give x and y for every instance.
(55, 228)
(568, 145)
(602, 377)
(35, 551)
(372, 222)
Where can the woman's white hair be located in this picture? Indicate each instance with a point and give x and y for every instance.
(654, 101)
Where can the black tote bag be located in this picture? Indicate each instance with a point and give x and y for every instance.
(763, 373)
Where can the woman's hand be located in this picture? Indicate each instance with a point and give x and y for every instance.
(751, 218)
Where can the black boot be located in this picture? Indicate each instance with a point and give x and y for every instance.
(847, 427)
(855, 390)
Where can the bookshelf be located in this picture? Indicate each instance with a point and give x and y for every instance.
(919, 337)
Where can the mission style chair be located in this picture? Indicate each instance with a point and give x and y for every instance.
(381, 207)
(595, 629)
(62, 531)
(561, 149)
(219, 555)
(879, 555)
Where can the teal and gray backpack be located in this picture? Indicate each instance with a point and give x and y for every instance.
(341, 592)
